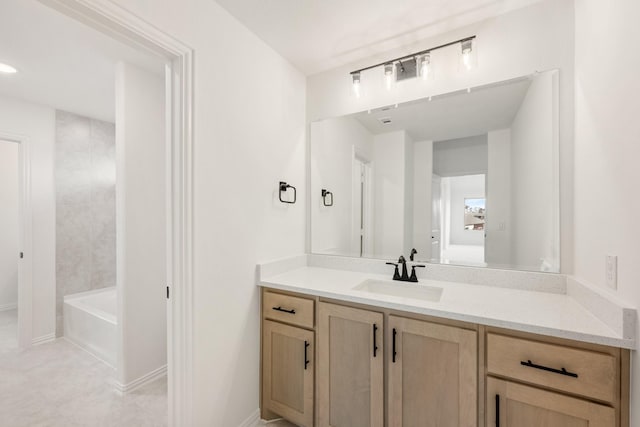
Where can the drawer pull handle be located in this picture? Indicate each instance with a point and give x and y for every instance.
(560, 371)
(306, 359)
(497, 410)
(284, 310)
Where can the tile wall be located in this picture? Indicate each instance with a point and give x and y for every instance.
(85, 206)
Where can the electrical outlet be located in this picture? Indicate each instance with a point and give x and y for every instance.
(612, 271)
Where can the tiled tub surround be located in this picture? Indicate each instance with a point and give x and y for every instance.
(85, 207)
(541, 303)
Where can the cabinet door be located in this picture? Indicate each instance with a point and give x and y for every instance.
(523, 406)
(287, 372)
(350, 367)
(433, 375)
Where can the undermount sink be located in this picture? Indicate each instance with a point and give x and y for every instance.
(400, 289)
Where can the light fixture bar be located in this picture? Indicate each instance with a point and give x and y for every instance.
(413, 55)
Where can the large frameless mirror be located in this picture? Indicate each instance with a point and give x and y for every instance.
(468, 178)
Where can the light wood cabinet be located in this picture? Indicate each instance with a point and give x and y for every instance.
(510, 404)
(334, 364)
(573, 370)
(288, 372)
(288, 309)
(350, 368)
(554, 383)
(433, 374)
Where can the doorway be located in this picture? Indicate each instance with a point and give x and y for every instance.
(463, 219)
(121, 25)
(362, 210)
(9, 242)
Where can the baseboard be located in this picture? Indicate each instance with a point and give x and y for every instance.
(44, 339)
(267, 422)
(255, 421)
(143, 380)
(7, 307)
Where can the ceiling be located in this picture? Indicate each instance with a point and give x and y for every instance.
(476, 113)
(61, 62)
(317, 35)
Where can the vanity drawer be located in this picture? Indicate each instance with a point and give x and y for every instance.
(289, 309)
(540, 363)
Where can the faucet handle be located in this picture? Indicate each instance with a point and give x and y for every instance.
(396, 274)
(413, 277)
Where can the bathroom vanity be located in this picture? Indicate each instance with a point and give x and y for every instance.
(342, 348)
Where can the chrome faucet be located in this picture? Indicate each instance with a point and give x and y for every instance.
(405, 275)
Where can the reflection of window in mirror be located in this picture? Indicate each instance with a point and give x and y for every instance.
(474, 212)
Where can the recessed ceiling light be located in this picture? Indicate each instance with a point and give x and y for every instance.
(7, 69)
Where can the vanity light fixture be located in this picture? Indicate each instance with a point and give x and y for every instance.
(467, 54)
(355, 80)
(388, 75)
(419, 60)
(424, 66)
(7, 69)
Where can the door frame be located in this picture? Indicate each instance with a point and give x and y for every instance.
(124, 26)
(25, 239)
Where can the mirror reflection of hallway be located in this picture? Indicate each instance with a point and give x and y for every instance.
(463, 236)
(9, 243)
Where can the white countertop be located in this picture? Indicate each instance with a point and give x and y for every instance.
(552, 314)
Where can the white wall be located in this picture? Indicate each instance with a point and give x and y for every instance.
(462, 156)
(9, 223)
(460, 188)
(533, 208)
(249, 135)
(37, 124)
(607, 152)
(422, 198)
(497, 248)
(509, 45)
(140, 223)
(333, 144)
(389, 194)
(408, 195)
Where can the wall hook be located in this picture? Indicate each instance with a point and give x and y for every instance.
(326, 193)
(283, 189)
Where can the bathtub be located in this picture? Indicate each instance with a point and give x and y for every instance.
(90, 321)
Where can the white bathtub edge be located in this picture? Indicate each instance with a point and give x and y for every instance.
(77, 300)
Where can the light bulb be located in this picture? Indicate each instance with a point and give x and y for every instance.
(7, 69)
(388, 75)
(355, 78)
(467, 54)
(424, 66)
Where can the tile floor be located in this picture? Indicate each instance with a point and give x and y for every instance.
(60, 385)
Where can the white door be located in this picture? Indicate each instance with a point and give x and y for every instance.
(436, 217)
(9, 241)
(361, 208)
